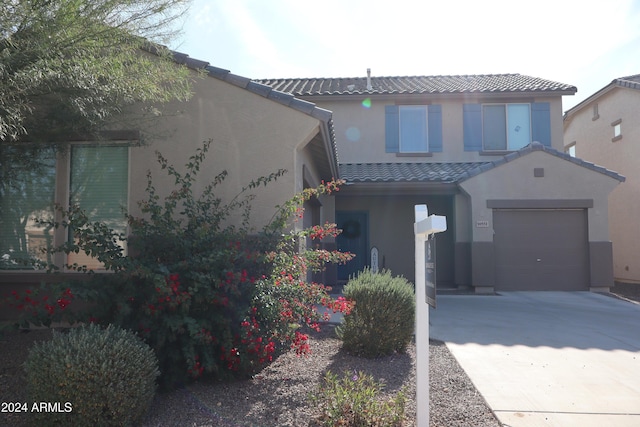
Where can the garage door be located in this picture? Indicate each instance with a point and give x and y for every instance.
(541, 249)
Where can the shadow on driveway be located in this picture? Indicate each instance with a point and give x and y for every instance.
(547, 358)
(553, 319)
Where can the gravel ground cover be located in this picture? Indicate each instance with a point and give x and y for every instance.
(278, 396)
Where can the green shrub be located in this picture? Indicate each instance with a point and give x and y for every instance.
(383, 318)
(210, 296)
(353, 401)
(99, 377)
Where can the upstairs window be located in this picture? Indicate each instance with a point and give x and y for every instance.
(617, 130)
(505, 126)
(414, 137)
(413, 129)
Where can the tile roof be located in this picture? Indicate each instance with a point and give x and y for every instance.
(632, 82)
(486, 83)
(263, 90)
(449, 172)
(406, 172)
(256, 87)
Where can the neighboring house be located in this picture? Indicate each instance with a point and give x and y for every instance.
(255, 130)
(486, 151)
(604, 129)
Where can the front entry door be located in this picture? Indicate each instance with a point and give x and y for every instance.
(354, 239)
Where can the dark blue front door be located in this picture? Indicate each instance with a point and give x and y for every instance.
(354, 239)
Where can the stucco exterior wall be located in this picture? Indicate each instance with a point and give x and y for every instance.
(593, 141)
(391, 220)
(360, 130)
(252, 137)
(562, 180)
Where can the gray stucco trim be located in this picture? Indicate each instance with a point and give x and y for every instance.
(540, 204)
(462, 264)
(483, 274)
(601, 264)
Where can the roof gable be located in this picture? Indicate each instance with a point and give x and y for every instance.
(536, 146)
(461, 84)
(266, 91)
(629, 82)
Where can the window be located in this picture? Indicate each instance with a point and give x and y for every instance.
(413, 129)
(97, 182)
(596, 115)
(571, 149)
(497, 127)
(98, 185)
(617, 130)
(27, 193)
(505, 126)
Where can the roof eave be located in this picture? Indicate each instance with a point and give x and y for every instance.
(573, 110)
(289, 100)
(386, 188)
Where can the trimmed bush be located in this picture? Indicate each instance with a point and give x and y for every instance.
(98, 377)
(382, 320)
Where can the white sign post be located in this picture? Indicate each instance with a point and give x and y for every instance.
(424, 226)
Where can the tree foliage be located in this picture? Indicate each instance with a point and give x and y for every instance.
(69, 66)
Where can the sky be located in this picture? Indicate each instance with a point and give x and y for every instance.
(586, 44)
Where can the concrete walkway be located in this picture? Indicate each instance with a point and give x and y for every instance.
(547, 358)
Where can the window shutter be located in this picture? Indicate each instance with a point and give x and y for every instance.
(541, 123)
(392, 129)
(472, 127)
(435, 128)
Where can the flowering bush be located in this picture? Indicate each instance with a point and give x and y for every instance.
(209, 297)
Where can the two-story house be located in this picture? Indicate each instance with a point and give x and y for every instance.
(486, 151)
(604, 129)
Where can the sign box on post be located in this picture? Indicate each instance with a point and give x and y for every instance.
(425, 259)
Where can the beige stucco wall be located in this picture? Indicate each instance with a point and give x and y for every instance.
(360, 131)
(562, 180)
(593, 140)
(252, 137)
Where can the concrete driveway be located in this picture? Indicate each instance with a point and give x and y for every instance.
(547, 358)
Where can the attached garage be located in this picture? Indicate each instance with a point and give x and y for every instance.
(541, 249)
(538, 223)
